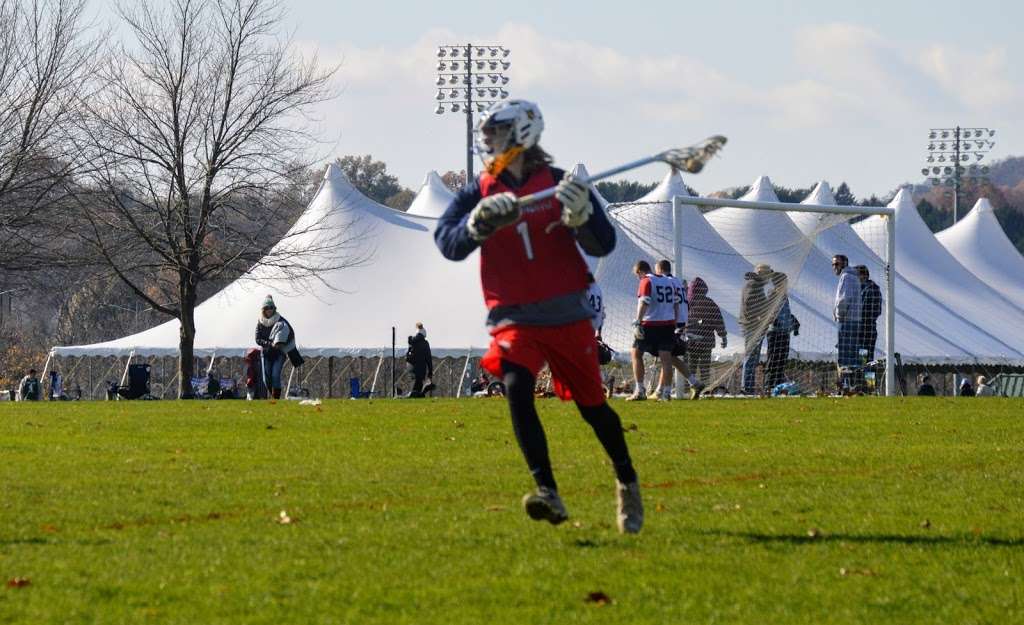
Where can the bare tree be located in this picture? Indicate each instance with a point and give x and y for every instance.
(46, 56)
(197, 135)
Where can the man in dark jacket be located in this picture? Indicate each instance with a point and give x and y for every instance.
(704, 323)
(753, 312)
(783, 325)
(420, 360)
(870, 310)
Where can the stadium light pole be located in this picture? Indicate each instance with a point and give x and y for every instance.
(949, 150)
(465, 71)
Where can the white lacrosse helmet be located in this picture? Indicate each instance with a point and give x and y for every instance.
(521, 117)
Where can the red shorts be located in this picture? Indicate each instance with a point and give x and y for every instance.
(569, 350)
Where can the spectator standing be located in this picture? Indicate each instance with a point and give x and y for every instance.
(420, 361)
(29, 388)
(753, 310)
(704, 323)
(983, 389)
(966, 389)
(871, 309)
(925, 388)
(782, 326)
(847, 314)
(276, 338)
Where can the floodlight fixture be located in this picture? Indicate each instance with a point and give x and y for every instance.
(955, 146)
(471, 71)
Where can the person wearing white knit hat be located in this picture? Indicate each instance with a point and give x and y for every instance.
(276, 339)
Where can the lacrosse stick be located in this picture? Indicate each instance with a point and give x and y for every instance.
(689, 159)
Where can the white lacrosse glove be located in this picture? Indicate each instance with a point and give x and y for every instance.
(491, 213)
(638, 331)
(575, 198)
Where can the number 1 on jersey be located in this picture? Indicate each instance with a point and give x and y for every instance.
(524, 231)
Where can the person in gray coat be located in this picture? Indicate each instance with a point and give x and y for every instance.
(847, 315)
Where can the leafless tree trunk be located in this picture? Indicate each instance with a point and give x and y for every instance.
(46, 56)
(195, 137)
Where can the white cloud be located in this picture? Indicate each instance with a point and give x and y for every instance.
(980, 80)
(849, 84)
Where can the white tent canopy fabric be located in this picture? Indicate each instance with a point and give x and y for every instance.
(944, 313)
(404, 280)
(433, 198)
(920, 319)
(922, 260)
(979, 243)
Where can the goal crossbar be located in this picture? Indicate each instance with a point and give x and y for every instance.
(888, 215)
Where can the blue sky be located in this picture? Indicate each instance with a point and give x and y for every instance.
(804, 90)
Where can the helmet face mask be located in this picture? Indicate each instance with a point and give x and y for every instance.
(496, 138)
(508, 127)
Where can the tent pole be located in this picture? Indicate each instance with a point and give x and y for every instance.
(890, 306)
(46, 368)
(677, 262)
(376, 372)
(465, 368)
(288, 387)
(124, 376)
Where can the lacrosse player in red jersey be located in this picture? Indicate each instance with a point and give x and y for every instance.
(535, 288)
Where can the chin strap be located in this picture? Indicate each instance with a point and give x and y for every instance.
(498, 164)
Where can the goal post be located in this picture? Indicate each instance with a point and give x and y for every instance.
(827, 217)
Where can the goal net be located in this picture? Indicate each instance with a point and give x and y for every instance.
(767, 311)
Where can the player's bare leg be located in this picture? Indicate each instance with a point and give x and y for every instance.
(665, 376)
(640, 393)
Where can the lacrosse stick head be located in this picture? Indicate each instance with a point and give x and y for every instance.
(693, 158)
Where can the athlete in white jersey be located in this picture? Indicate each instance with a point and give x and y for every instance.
(664, 269)
(654, 325)
(596, 299)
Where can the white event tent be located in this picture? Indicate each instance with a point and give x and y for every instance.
(921, 259)
(979, 243)
(433, 197)
(403, 280)
(920, 318)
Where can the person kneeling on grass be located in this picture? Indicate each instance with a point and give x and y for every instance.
(535, 282)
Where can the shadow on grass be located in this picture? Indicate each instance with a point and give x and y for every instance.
(894, 539)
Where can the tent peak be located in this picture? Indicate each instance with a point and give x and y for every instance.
(821, 194)
(903, 198)
(761, 191)
(333, 172)
(983, 205)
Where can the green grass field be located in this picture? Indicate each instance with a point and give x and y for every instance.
(786, 511)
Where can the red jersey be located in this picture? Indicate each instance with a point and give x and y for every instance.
(534, 259)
